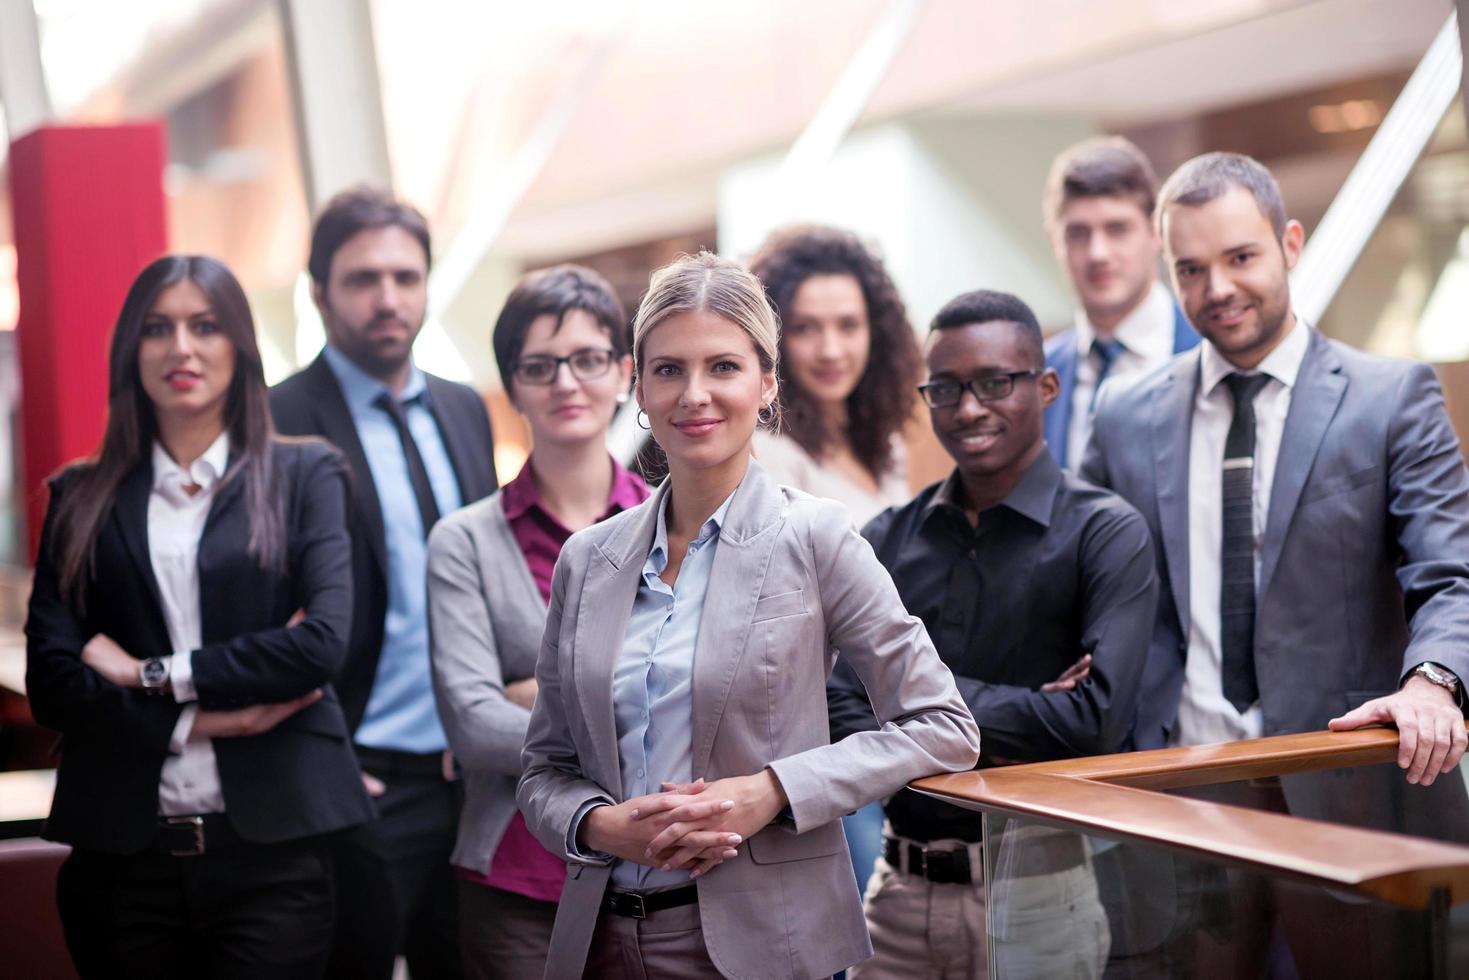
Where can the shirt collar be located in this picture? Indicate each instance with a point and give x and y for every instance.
(1147, 331)
(658, 555)
(521, 494)
(1033, 497)
(362, 389)
(1283, 363)
(205, 471)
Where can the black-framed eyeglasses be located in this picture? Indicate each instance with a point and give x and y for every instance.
(541, 369)
(990, 388)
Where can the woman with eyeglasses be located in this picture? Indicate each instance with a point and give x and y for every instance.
(561, 344)
(678, 752)
(191, 603)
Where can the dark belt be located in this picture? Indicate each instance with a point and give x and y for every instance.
(194, 835)
(1047, 856)
(390, 764)
(640, 905)
(944, 867)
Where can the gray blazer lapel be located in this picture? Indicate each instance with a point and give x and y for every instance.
(745, 543)
(1173, 411)
(614, 571)
(1319, 389)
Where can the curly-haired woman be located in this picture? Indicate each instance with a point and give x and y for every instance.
(840, 315)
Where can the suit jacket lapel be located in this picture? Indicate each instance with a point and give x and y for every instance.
(1318, 391)
(1058, 415)
(1173, 410)
(614, 572)
(458, 443)
(1185, 337)
(130, 515)
(745, 544)
(336, 425)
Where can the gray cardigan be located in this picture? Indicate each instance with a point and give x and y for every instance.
(486, 617)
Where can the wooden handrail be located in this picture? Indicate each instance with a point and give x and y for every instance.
(1117, 796)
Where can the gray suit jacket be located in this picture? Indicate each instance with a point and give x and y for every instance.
(1364, 569)
(485, 619)
(791, 582)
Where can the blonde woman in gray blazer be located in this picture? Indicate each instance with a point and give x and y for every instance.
(561, 343)
(678, 751)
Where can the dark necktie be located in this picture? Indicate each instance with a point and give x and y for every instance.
(1237, 547)
(1105, 352)
(423, 491)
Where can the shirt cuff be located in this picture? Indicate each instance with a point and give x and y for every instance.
(181, 677)
(182, 729)
(575, 852)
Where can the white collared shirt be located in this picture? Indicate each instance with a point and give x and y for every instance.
(1146, 335)
(189, 783)
(1205, 715)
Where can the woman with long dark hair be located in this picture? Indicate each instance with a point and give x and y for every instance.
(849, 374)
(190, 605)
(848, 370)
(678, 753)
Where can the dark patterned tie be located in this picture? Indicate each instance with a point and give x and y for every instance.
(423, 491)
(1105, 352)
(1237, 547)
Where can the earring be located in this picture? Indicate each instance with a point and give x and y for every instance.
(766, 415)
(638, 418)
(622, 398)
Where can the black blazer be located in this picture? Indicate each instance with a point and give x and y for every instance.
(310, 403)
(299, 779)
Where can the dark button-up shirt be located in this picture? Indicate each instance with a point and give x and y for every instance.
(1056, 570)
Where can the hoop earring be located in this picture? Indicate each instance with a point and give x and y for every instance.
(766, 415)
(638, 418)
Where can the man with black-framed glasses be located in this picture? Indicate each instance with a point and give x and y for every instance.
(1039, 593)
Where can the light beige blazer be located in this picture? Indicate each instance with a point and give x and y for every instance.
(791, 583)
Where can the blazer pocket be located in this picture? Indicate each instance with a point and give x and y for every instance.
(1338, 483)
(777, 845)
(1355, 699)
(779, 606)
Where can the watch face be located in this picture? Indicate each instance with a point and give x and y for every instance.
(154, 672)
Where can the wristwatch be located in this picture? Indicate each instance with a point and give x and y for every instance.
(154, 675)
(1441, 676)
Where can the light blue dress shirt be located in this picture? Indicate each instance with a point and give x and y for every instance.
(652, 684)
(401, 713)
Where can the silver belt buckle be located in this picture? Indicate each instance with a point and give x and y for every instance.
(197, 822)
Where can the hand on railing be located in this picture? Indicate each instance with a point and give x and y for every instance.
(1431, 736)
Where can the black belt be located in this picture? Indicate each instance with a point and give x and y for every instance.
(391, 764)
(640, 905)
(944, 867)
(194, 835)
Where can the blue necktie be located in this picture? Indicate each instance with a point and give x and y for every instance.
(1105, 352)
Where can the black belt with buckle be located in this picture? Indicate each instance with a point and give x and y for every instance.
(194, 835)
(944, 867)
(640, 905)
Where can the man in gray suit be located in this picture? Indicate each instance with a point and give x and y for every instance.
(1311, 510)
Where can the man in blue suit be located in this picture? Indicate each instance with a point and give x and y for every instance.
(1310, 508)
(1099, 212)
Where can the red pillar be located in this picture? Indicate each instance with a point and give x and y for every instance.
(89, 214)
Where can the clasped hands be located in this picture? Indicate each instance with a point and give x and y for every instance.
(695, 826)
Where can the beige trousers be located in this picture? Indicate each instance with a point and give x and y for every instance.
(1046, 926)
(667, 945)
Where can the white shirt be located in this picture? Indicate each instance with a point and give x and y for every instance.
(189, 783)
(1205, 716)
(1146, 335)
(789, 464)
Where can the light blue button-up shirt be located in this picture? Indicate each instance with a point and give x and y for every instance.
(401, 713)
(652, 684)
